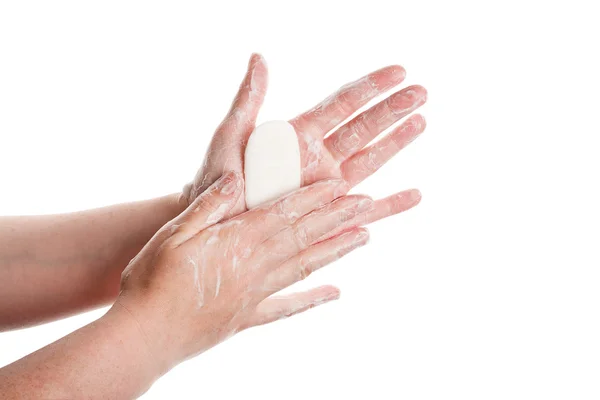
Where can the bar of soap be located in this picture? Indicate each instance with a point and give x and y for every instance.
(272, 164)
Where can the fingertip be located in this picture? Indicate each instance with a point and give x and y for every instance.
(419, 122)
(413, 196)
(410, 129)
(362, 236)
(255, 58)
(388, 77)
(343, 243)
(258, 76)
(395, 72)
(327, 293)
(336, 294)
(365, 204)
(418, 92)
(425, 93)
(258, 62)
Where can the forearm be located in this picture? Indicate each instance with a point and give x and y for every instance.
(56, 265)
(107, 359)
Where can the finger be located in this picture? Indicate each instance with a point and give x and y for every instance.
(279, 307)
(315, 257)
(392, 205)
(357, 133)
(346, 101)
(209, 208)
(225, 152)
(251, 94)
(364, 163)
(279, 214)
(382, 208)
(298, 236)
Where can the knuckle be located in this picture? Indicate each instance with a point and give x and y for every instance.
(300, 236)
(305, 268)
(285, 210)
(343, 103)
(207, 203)
(349, 140)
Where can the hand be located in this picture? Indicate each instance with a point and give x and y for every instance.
(341, 154)
(197, 282)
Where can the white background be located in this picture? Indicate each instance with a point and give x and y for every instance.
(488, 290)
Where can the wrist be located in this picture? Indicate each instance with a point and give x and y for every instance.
(135, 343)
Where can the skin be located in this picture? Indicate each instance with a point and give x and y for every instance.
(325, 152)
(53, 266)
(203, 279)
(41, 256)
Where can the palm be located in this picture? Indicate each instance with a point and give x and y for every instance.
(341, 154)
(317, 162)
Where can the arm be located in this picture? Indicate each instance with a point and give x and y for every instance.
(55, 265)
(95, 361)
(40, 257)
(195, 284)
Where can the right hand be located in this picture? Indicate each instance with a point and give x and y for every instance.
(198, 281)
(326, 153)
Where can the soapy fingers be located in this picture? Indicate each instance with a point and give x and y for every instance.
(239, 122)
(305, 232)
(278, 307)
(342, 154)
(357, 133)
(198, 281)
(276, 215)
(364, 163)
(382, 208)
(209, 208)
(313, 258)
(326, 115)
(226, 149)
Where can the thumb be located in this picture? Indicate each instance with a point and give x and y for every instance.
(251, 94)
(228, 143)
(209, 208)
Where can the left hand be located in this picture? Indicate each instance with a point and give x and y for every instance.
(341, 154)
(198, 281)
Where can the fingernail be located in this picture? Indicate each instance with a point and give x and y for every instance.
(325, 299)
(397, 72)
(352, 210)
(394, 75)
(333, 296)
(341, 188)
(229, 183)
(410, 130)
(360, 239)
(256, 57)
(414, 195)
(364, 205)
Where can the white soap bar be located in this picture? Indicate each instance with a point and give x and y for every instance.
(272, 162)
